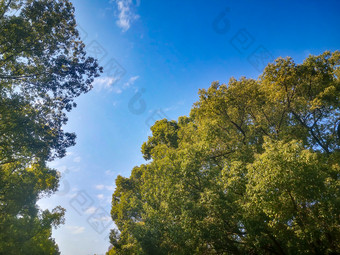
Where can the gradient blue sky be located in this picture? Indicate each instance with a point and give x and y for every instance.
(160, 53)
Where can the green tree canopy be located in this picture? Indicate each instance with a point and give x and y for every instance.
(254, 169)
(43, 68)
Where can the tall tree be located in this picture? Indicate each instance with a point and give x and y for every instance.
(254, 169)
(43, 68)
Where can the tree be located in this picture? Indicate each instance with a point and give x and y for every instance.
(254, 169)
(43, 68)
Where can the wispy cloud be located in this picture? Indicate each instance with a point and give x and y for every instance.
(173, 107)
(109, 84)
(126, 13)
(77, 159)
(69, 153)
(106, 83)
(104, 218)
(90, 210)
(75, 229)
(131, 81)
(100, 186)
(110, 173)
(105, 187)
(110, 188)
(115, 103)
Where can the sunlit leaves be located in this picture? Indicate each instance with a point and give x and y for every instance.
(253, 170)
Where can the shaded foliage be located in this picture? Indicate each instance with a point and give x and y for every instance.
(43, 68)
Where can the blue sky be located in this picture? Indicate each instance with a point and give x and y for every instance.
(157, 55)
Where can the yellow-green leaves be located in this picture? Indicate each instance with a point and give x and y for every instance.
(253, 170)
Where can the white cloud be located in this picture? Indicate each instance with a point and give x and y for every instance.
(62, 169)
(110, 188)
(73, 195)
(75, 229)
(109, 84)
(173, 107)
(109, 173)
(131, 81)
(100, 196)
(126, 13)
(103, 218)
(77, 159)
(106, 83)
(69, 153)
(75, 169)
(108, 200)
(90, 210)
(103, 187)
(100, 186)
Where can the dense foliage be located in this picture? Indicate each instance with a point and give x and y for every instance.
(254, 169)
(43, 67)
